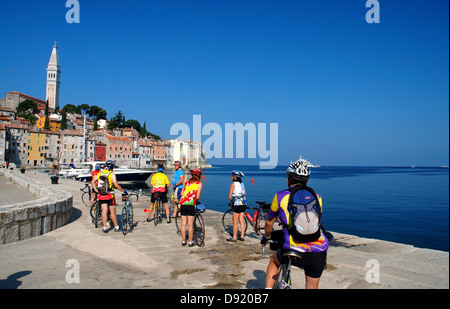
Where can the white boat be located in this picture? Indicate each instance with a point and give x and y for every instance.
(68, 172)
(122, 173)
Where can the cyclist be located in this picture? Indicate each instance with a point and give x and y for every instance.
(177, 183)
(159, 184)
(237, 195)
(190, 195)
(94, 175)
(314, 253)
(105, 184)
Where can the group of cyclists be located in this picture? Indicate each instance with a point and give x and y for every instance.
(298, 208)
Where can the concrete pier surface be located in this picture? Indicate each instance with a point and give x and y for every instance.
(80, 256)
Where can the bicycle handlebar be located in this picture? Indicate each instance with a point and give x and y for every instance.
(129, 195)
(271, 241)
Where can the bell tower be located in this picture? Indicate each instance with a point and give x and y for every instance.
(53, 80)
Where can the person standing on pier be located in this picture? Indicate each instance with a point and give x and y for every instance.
(177, 183)
(105, 184)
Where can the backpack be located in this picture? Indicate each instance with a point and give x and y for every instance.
(304, 214)
(103, 185)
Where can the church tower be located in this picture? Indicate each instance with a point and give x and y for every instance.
(53, 82)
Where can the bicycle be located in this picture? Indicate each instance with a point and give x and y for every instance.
(199, 225)
(257, 220)
(283, 280)
(96, 213)
(157, 211)
(127, 213)
(86, 195)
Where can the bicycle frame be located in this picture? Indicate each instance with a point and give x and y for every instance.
(127, 213)
(256, 216)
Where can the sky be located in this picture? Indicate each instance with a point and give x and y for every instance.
(341, 91)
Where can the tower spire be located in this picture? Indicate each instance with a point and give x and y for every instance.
(53, 79)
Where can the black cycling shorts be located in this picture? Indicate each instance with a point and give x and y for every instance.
(187, 210)
(312, 263)
(239, 209)
(161, 195)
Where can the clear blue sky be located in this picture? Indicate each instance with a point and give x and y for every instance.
(343, 92)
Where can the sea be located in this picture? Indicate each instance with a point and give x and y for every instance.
(408, 205)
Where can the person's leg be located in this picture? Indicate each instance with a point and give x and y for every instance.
(311, 283)
(104, 206)
(190, 221)
(242, 223)
(183, 228)
(272, 271)
(112, 211)
(166, 207)
(235, 224)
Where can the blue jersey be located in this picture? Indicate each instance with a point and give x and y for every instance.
(176, 178)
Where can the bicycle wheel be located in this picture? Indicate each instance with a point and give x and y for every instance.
(98, 214)
(93, 210)
(124, 220)
(130, 216)
(86, 199)
(178, 220)
(156, 213)
(199, 230)
(227, 222)
(259, 227)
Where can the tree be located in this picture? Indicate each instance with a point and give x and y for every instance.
(27, 109)
(47, 121)
(117, 121)
(63, 118)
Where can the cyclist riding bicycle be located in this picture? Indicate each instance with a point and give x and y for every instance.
(313, 251)
(159, 184)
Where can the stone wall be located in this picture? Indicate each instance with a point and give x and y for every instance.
(51, 210)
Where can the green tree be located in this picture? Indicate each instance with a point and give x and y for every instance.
(63, 118)
(27, 109)
(117, 121)
(47, 121)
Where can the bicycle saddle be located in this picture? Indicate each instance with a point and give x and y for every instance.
(292, 253)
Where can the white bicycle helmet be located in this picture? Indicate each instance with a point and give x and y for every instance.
(237, 173)
(299, 170)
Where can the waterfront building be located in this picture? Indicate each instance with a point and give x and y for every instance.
(54, 122)
(52, 147)
(189, 153)
(53, 80)
(159, 152)
(16, 144)
(119, 150)
(36, 149)
(72, 146)
(144, 150)
(11, 101)
(2, 143)
(100, 152)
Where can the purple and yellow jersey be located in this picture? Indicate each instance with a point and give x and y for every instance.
(279, 209)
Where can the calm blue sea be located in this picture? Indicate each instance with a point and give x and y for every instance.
(400, 204)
